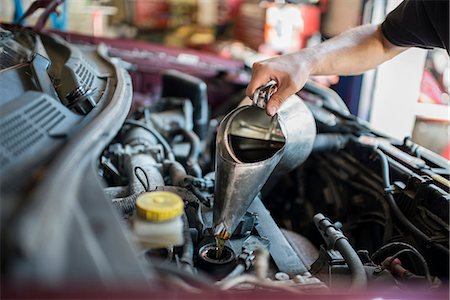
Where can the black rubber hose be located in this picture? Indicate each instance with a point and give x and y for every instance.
(156, 134)
(334, 238)
(329, 142)
(396, 210)
(200, 196)
(176, 172)
(192, 139)
(193, 167)
(187, 258)
(359, 277)
(178, 175)
(330, 96)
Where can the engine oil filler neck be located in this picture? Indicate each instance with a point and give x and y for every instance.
(209, 254)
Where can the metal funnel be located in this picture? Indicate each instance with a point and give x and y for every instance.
(250, 146)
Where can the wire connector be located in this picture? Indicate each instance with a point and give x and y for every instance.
(389, 189)
(247, 258)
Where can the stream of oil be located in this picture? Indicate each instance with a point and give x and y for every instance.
(220, 245)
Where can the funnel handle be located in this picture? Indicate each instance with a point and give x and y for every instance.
(262, 94)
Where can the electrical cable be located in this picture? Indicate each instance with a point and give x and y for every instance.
(396, 210)
(392, 245)
(146, 183)
(379, 253)
(387, 224)
(421, 258)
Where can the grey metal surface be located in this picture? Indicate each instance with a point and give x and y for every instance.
(280, 249)
(250, 146)
(39, 66)
(307, 252)
(299, 128)
(62, 211)
(12, 53)
(32, 125)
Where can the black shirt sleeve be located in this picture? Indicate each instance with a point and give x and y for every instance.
(418, 23)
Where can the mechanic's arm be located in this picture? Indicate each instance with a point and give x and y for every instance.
(352, 52)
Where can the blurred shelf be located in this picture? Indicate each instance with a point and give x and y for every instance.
(437, 112)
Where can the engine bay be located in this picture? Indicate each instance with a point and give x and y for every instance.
(176, 196)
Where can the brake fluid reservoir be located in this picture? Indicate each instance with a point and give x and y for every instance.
(158, 222)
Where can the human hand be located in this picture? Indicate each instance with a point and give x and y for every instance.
(289, 71)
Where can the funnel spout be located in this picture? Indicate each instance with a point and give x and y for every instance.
(237, 185)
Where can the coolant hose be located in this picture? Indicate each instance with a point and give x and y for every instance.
(359, 277)
(335, 239)
(176, 172)
(193, 167)
(188, 247)
(331, 97)
(330, 142)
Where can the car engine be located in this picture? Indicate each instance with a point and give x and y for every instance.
(103, 191)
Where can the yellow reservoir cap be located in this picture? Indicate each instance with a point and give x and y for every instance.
(159, 206)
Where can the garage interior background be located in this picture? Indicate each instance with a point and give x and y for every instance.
(408, 96)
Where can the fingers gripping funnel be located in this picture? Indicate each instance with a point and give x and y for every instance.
(250, 147)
